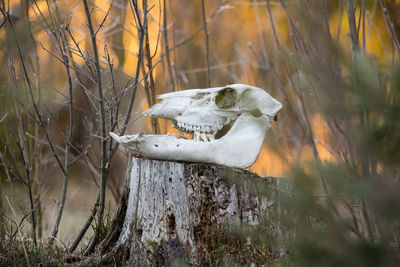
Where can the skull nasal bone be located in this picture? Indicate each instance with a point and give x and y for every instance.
(163, 110)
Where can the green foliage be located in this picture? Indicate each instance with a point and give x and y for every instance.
(346, 211)
(102, 229)
(152, 243)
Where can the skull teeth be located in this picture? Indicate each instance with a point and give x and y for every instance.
(196, 137)
(203, 133)
(203, 137)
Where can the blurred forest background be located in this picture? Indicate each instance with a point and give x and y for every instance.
(72, 71)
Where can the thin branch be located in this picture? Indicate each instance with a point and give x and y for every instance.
(39, 116)
(326, 18)
(206, 34)
(133, 86)
(67, 142)
(264, 60)
(389, 23)
(339, 27)
(363, 23)
(79, 49)
(113, 117)
(104, 157)
(271, 19)
(171, 77)
(197, 31)
(141, 26)
(352, 24)
(72, 67)
(29, 185)
(19, 224)
(104, 19)
(150, 84)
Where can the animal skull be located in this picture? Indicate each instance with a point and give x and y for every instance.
(228, 125)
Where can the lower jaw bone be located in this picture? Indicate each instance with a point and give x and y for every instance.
(238, 148)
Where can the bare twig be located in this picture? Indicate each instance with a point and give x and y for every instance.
(72, 67)
(197, 31)
(339, 27)
(133, 86)
(271, 19)
(113, 117)
(29, 185)
(104, 19)
(35, 106)
(171, 77)
(352, 24)
(363, 23)
(326, 18)
(305, 122)
(68, 140)
(104, 157)
(389, 23)
(206, 34)
(264, 60)
(150, 84)
(141, 34)
(18, 225)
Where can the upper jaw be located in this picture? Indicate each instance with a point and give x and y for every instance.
(203, 124)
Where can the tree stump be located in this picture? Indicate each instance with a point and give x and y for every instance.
(168, 209)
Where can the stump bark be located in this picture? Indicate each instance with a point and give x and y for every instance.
(168, 211)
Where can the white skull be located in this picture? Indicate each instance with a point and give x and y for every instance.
(228, 125)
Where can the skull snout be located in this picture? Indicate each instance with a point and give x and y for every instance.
(166, 110)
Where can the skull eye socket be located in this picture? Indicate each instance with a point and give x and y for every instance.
(226, 98)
